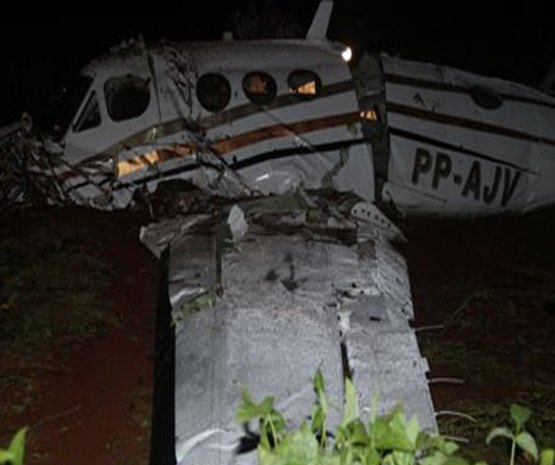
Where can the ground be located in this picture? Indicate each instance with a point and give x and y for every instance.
(79, 371)
(490, 284)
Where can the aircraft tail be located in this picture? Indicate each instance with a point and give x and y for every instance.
(319, 27)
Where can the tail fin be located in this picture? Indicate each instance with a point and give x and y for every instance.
(321, 21)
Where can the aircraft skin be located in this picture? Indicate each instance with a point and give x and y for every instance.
(277, 138)
(310, 123)
(466, 144)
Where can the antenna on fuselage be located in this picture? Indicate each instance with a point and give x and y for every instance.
(319, 27)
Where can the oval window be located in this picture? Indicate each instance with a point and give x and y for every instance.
(260, 88)
(126, 97)
(306, 84)
(213, 91)
(485, 97)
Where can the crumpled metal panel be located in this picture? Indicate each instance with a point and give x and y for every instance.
(286, 305)
(393, 279)
(386, 362)
(264, 334)
(199, 275)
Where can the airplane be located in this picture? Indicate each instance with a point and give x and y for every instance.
(278, 257)
(423, 138)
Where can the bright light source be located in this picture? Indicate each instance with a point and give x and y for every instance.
(347, 54)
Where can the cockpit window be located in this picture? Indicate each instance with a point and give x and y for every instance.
(304, 83)
(213, 91)
(259, 87)
(126, 97)
(90, 116)
(68, 104)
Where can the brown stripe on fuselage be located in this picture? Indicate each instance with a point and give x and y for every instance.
(217, 119)
(465, 123)
(280, 130)
(225, 146)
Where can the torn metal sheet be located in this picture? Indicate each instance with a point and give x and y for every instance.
(296, 292)
(466, 144)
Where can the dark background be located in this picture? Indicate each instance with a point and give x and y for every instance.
(42, 46)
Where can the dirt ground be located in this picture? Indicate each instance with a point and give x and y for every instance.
(490, 285)
(487, 288)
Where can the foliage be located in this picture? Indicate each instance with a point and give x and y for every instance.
(15, 453)
(386, 440)
(521, 438)
(51, 279)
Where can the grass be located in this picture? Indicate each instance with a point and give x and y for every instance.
(488, 415)
(52, 279)
(473, 366)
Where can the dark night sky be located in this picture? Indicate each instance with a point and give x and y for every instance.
(515, 43)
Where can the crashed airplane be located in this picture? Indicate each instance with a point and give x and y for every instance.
(266, 166)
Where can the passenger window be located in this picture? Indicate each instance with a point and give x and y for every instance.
(213, 91)
(260, 88)
(486, 98)
(306, 84)
(126, 97)
(90, 116)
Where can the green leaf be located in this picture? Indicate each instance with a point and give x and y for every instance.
(499, 432)
(357, 433)
(403, 458)
(248, 409)
(547, 457)
(436, 458)
(390, 432)
(269, 457)
(450, 447)
(388, 459)
(527, 443)
(413, 429)
(372, 457)
(320, 410)
(318, 420)
(17, 447)
(6, 456)
(332, 460)
(454, 460)
(520, 415)
(319, 385)
(301, 448)
(374, 406)
(433, 444)
(350, 411)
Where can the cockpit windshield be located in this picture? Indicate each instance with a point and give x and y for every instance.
(69, 103)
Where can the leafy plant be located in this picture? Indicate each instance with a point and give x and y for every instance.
(520, 437)
(15, 453)
(386, 440)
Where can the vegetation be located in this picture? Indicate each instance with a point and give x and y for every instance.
(15, 453)
(51, 281)
(384, 440)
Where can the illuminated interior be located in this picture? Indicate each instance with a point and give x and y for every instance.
(369, 115)
(131, 165)
(308, 88)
